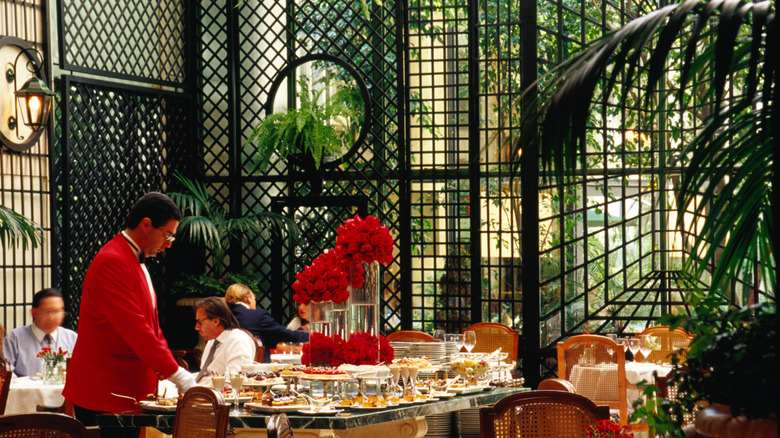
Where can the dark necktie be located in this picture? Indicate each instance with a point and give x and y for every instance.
(204, 370)
(48, 341)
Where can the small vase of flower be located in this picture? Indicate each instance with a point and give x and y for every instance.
(53, 363)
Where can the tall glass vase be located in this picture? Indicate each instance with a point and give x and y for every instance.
(340, 320)
(52, 372)
(363, 303)
(320, 323)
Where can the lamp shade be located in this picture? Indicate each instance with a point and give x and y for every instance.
(34, 99)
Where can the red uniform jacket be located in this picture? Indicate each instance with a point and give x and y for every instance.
(120, 347)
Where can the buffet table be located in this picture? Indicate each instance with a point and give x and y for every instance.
(402, 422)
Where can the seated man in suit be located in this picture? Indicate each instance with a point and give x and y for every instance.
(23, 344)
(227, 347)
(259, 322)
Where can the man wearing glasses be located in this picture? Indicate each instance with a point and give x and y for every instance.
(23, 344)
(121, 348)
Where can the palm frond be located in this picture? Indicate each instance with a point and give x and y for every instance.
(16, 228)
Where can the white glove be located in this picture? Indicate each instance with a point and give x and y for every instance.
(183, 379)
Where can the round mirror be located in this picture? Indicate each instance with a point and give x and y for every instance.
(334, 98)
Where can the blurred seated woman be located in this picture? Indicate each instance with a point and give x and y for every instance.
(301, 320)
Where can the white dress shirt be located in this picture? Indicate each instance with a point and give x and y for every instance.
(235, 349)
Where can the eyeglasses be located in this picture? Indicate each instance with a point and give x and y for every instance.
(168, 237)
(200, 321)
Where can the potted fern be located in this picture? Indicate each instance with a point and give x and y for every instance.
(307, 134)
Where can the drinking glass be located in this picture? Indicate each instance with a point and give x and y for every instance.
(645, 346)
(469, 340)
(633, 346)
(438, 334)
(614, 337)
(457, 338)
(236, 382)
(218, 382)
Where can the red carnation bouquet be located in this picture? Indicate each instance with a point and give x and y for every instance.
(51, 356)
(362, 241)
(323, 280)
(607, 429)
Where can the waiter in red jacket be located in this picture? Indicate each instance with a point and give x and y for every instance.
(120, 347)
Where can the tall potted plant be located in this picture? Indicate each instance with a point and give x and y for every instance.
(727, 166)
(208, 223)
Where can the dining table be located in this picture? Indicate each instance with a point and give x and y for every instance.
(405, 421)
(25, 394)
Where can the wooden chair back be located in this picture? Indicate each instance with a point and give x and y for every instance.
(492, 335)
(44, 424)
(181, 357)
(410, 336)
(201, 413)
(670, 341)
(540, 414)
(596, 367)
(5, 382)
(279, 426)
(259, 348)
(555, 384)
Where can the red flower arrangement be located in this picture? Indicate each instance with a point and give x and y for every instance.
(359, 350)
(323, 280)
(607, 429)
(49, 355)
(363, 241)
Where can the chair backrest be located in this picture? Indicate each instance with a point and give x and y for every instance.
(491, 335)
(259, 348)
(410, 336)
(556, 384)
(5, 382)
(181, 357)
(279, 426)
(670, 341)
(44, 424)
(540, 414)
(201, 413)
(596, 366)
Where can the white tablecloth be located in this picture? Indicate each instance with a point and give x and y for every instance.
(26, 394)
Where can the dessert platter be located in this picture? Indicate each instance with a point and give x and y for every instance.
(270, 403)
(156, 406)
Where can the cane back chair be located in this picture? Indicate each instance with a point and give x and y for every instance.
(45, 425)
(410, 336)
(492, 335)
(540, 414)
(201, 413)
(279, 426)
(5, 382)
(670, 341)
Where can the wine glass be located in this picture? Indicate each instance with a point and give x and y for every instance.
(633, 346)
(469, 340)
(236, 382)
(645, 346)
(614, 338)
(438, 334)
(455, 338)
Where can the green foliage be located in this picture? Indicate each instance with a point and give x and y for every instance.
(730, 346)
(208, 223)
(15, 228)
(308, 129)
(202, 285)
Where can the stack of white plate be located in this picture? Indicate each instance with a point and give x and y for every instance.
(432, 350)
(468, 423)
(439, 425)
(451, 348)
(401, 349)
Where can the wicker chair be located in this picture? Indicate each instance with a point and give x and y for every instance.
(201, 413)
(279, 426)
(540, 414)
(671, 341)
(410, 336)
(555, 384)
(593, 353)
(492, 335)
(5, 382)
(44, 425)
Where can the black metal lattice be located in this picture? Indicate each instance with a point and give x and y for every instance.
(117, 144)
(142, 40)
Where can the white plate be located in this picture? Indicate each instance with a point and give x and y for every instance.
(367, 408)
(264, 382)
(468, 389)
(241, 398)
(323, 412)
(147, 405)
(442, 394)
(257, 407)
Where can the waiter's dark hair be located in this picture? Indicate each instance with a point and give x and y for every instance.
(217, 309)
(45, 293)
(154, 205)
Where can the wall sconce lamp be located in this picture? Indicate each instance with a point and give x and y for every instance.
(23, 110)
